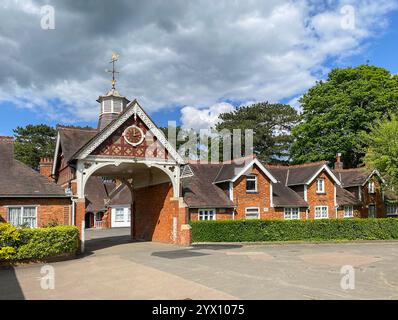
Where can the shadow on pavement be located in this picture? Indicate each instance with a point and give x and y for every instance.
(9, 285)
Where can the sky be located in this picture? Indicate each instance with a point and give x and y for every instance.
(184, 61)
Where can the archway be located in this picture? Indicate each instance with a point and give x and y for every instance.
(157, 211)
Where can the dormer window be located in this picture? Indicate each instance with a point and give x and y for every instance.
(371, 187)
(251, 183)
(320, 186)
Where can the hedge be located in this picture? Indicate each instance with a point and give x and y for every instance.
(35, 244)
(294, 230)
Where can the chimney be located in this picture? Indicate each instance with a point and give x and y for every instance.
(46, 165)
(338, 165)
(6, 152)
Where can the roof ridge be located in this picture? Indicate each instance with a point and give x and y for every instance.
(351, 169)
(290, 166)
(251, 156)
(76, 128)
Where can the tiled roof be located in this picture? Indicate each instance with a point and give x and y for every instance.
(284, 196)
(121, 196)
(345, 197)
(73, 138)
(296, 174)
(19, 180)
(352, 177)
(97, 195)
(199, 189)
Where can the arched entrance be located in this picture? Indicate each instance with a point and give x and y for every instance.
(157, 211)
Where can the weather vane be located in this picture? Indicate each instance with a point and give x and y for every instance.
(115, 57)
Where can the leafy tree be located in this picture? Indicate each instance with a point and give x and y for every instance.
(271, 125)
(34, 142)
(382, 149)
(335, 111)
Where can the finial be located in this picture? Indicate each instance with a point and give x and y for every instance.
(115, 57)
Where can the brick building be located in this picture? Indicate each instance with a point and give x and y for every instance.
(248, 189)
(125, 173)
(26, 196)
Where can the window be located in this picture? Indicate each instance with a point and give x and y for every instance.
(251, 183)
(371, 187)
(392, 209)
(128, 215)
(23, 216)
(372, 211)
(292, 213)
(348, 211)
(207, 214)
(320, 186)
(119, 214)
(252, 213)
(321, 212)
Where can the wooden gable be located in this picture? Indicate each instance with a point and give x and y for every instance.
(116, 144)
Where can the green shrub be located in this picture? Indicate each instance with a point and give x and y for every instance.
(294, 230)
(33, 244)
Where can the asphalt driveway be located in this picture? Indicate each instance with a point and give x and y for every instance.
(114, 268)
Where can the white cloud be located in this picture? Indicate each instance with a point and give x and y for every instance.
(185, 53)
(195, 118)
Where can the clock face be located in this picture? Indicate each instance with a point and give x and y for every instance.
(133, 135)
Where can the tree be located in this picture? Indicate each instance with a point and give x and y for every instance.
(335, 111)
(271, 125)
(34, 142)
(382, 149)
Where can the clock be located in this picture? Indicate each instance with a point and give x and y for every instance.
(133, 135)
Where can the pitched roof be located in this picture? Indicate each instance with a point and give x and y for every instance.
(284, 196)
(121, 196)
(231, 171)
(97, 195)
(345, 197)
(19, 180)
(73, 138)
(200, 191)
(352, 177)
(135, 109)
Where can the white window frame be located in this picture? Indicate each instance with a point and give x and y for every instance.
(371, 187)
(348, 211)
(320, 208)
(118, 209)
(322, 189)
(251, 177)
(205, 214)
(20, 218)
(288, 213)
(390, 212)
(252, 208)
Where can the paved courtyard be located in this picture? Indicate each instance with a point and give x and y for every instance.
(114, 268)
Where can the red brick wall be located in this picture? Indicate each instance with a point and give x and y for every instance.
(46, 165)
(260, 199)
(376, 198)
(154, 212)
(357, 212)
(48, 210)
(325, 199)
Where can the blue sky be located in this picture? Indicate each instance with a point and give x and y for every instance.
(188, 67)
